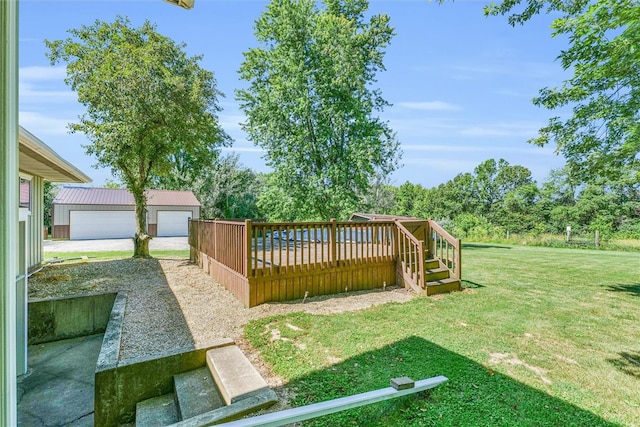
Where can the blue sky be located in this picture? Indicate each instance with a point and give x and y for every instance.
(461, 84)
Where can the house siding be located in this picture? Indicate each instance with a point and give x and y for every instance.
(35, 249)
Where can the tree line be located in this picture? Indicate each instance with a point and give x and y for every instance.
(311, 103)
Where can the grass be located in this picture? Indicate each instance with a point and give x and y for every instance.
(540, 337)
(71, 257)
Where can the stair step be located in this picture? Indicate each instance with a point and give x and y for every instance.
(436, 274)
(431, 263)
(196, 393)
(157, 412)
(443, 286)
(234, 375)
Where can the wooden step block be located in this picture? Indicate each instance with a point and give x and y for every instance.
(234, 375)
(196, 393)
(431, 263)
(443, 286)
(437, 274)
(157, 412)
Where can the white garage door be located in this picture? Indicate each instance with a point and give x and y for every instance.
(173, 223)
(101, 224)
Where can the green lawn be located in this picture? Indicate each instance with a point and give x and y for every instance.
(540, 337)
(108, 255)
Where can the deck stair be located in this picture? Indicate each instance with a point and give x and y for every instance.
(438, 278)
(228, 388)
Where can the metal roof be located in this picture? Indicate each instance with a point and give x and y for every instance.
(379, 217)
(121, 196)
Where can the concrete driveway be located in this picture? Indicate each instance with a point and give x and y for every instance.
(157, 243)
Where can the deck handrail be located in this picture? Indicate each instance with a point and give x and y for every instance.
(411, 256)
(446, 248)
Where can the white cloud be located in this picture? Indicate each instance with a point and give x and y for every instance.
(515, 129)
(39, 73)
(243, 149)
(41, 124)
(29, 93)
(429, 106)
(231, 122)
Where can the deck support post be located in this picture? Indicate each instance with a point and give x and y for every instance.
(332, 243)
(247, 240)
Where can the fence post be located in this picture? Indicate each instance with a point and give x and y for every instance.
(247, 240)
(597, 238)
(332, 242)
(215, 239)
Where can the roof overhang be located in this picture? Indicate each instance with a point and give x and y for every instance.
(37, 158)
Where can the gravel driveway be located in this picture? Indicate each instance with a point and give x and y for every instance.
(157, 243)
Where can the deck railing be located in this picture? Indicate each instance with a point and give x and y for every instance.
(261, 262)
(411, 257)
(221, 240)
(289, 248)
(446, 248)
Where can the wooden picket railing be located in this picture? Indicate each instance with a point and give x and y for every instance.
(262, 262)
(411, 258)
(446, 248)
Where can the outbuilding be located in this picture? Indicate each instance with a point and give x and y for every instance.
(109, 213)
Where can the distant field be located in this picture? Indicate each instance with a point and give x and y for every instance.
(540, 337)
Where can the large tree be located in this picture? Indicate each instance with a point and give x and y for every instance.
(149, 105)
(602, 136)
(311, 105)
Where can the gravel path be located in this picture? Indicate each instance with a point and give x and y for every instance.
(172, 303)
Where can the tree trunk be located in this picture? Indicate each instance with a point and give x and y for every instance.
(141, 246)
(141, 239)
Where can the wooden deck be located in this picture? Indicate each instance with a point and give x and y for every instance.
(263, 262)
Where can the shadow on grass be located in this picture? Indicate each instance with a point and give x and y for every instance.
(632, 289)
(473, 396)
(628, 362)
(471, 285)
(473, 246)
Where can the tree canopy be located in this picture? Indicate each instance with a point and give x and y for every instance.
(310, 104)
(149, 107)
(602, 135)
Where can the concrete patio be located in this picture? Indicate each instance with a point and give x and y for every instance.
(58, 390)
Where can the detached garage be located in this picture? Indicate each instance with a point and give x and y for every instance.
(109, 213)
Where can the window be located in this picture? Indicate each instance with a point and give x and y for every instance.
(25, 193)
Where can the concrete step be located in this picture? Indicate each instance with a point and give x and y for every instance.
(436, 274)
(196, 393)
(157, 412)
(234, 375)
(443, 286)
(431, 264)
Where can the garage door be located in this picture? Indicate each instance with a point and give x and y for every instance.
(101, 224)
(173, 223)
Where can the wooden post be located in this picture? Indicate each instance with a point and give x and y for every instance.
(459, 260)
(597, 239)
(214, 235)
(420, 260)
(332, 243)
(247, 240)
